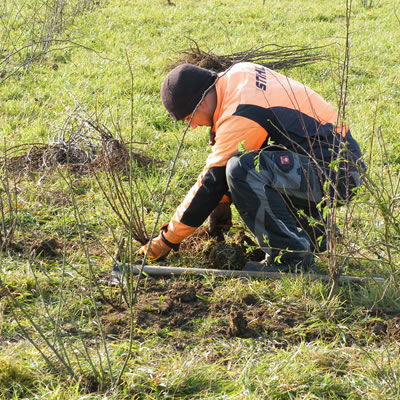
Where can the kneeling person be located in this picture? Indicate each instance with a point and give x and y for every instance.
(290, 137)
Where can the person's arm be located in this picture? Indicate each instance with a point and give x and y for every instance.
(200, 201)
(211, 185)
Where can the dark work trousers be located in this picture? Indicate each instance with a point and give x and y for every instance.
(262, 184)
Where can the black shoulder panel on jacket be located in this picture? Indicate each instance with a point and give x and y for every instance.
(292, 129)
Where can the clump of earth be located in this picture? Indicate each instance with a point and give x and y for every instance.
(221, 251)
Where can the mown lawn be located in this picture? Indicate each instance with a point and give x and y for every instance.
(79, 82)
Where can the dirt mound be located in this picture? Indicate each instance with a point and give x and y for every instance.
(216, 250)
(185, 305)
(46, 248)
(385, 328)
(110, 153)
(159, 307)
(230, 256)
(83, 144)
(219, 251)
(180, 305)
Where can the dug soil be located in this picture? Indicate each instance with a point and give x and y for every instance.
(191, 307)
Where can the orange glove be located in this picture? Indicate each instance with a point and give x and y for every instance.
(158, 249)
(159, 246)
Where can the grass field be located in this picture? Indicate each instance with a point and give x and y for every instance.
(86, 156)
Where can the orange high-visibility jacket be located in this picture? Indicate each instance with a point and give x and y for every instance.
(257, 107)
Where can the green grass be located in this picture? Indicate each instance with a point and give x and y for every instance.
(58, 316)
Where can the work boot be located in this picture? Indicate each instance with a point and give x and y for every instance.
(296, 264)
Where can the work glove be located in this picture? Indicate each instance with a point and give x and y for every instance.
(158, 248)
(220, 220)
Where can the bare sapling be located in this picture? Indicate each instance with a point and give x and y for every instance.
(334, 263)
(8, 207)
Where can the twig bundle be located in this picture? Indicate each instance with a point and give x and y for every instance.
(76, 145)
(270, 55)
(82, 143)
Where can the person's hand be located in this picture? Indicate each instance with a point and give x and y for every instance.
(158, 248)
(220, 219)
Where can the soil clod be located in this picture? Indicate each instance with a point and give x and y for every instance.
(250, 300)
(183, 293)
(237, 324)
(228, 256)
